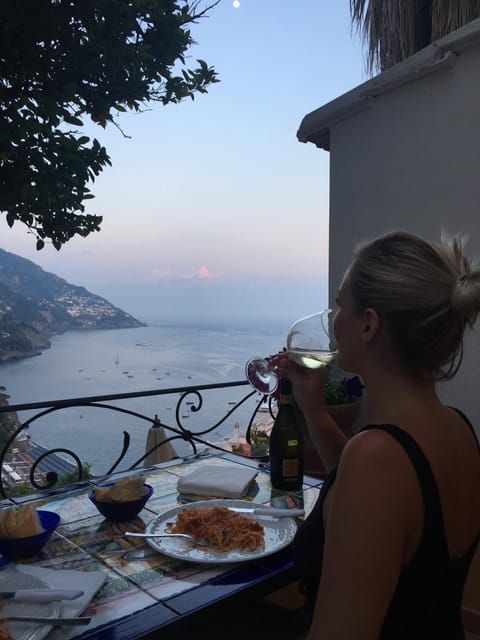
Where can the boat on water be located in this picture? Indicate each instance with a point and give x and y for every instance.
(141, 344)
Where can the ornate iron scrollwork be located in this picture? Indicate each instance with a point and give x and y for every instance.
(177, 432)
(52, 476)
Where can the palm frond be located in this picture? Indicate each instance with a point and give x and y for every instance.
(393, 30)
(449, 15)
(387, 28)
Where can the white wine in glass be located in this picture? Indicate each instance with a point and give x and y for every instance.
(308, 344)
(311, 359)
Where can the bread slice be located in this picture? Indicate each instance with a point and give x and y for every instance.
(124, 490)
(101, 494)
(28, 521)
(128, 489)
(3, 529)
(10, 522)
(21, 522)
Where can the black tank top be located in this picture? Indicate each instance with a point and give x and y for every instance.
(427, 600)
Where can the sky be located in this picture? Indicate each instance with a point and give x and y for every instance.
(212, 208)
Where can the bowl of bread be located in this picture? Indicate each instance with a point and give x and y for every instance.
(122, 500)
(24, 530)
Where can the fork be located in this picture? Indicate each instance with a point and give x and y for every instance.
(183, 536)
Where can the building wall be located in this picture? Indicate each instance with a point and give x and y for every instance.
(412, 161)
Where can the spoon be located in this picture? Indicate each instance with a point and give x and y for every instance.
(183, 536)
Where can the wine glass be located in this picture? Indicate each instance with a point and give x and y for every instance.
(308, 344)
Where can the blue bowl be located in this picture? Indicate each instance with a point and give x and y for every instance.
(14, 548)
(119, 511)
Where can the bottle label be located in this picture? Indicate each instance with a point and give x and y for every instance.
(290, 467)
(292, 443)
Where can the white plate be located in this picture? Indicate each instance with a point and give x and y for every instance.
(13, 580)
(278, 533)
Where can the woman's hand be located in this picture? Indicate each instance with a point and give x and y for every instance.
(308, 384)
(308, 389)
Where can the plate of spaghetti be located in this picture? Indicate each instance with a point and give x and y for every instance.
(232, 536)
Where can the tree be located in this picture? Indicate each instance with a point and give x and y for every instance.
(395, 29)
(62, 60)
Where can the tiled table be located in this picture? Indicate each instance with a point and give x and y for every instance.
(144, 590)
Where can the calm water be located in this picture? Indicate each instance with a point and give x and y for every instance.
(125, 360)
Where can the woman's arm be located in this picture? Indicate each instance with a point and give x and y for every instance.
(367, 513)
(308, 390)
(327, 438)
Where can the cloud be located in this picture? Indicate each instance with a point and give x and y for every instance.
(202, 273)
(160, 274)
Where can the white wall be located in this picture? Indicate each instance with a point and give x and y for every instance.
(412, 161)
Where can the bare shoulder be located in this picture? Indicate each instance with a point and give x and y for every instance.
(373, 450)
(375, 469)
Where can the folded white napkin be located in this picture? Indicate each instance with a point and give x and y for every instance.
(217, 481)
(88, 581)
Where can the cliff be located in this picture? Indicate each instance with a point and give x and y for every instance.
(35, 305)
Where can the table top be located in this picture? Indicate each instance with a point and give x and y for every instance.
(145, 590)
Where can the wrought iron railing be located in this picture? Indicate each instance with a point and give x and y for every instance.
(189, 404)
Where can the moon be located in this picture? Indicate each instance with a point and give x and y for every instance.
(236, 3)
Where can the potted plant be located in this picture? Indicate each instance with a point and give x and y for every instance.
(342, 401)
(342, 390)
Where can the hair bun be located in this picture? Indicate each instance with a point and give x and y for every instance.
(466, 295)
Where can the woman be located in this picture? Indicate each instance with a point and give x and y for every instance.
(386, 550)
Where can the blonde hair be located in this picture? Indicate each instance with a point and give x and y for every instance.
(425, 295)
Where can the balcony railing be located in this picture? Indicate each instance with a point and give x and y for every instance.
(190, 404)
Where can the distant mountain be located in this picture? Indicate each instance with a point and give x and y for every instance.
(35, 305)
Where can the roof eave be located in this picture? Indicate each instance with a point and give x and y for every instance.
(315, 126)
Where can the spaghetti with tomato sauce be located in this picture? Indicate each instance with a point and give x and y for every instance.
(225, 530)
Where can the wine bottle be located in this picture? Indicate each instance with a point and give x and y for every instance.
(286, 449)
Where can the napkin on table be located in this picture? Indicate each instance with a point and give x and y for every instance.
(88, 581)
(222, 482)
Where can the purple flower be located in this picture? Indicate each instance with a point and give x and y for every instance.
(353, 386)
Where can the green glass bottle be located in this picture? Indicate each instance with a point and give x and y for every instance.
(286, 450)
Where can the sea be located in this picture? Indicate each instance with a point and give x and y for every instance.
(156, 356)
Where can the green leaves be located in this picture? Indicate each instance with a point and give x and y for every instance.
(66, 59)
(342, 390)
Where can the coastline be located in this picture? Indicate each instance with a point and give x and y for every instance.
(7, 356)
